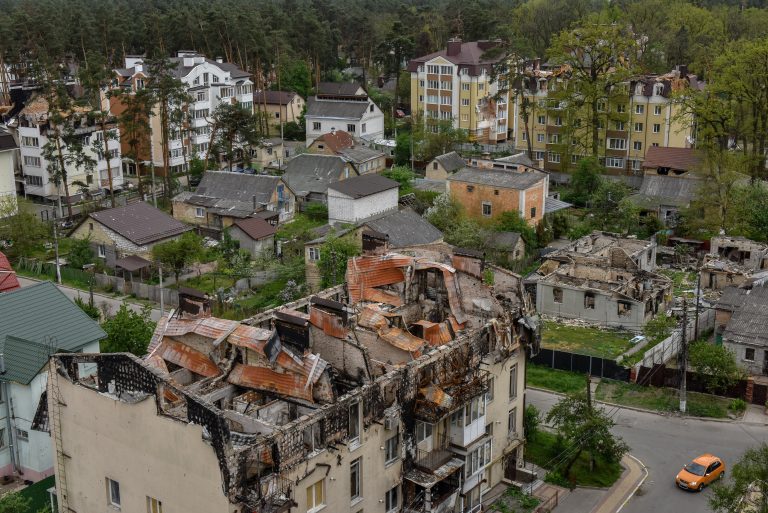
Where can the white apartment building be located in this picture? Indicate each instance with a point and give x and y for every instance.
(209, 84)
(34, 130)
(8, 158)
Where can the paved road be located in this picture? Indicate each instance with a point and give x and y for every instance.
(664, 444)
(99, 299)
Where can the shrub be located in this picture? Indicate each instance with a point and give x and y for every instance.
(738, 405)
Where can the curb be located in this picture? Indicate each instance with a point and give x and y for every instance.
(639, 484)
(654, 412)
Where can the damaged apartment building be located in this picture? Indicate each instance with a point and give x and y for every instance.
(603, 279)
(402, 390)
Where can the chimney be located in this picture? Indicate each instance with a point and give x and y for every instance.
(139, 67)
(333, 130)
(454, 46)
(189, 62)
(219, 60)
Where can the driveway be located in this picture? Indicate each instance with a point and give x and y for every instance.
(664, 444)
(112, 302)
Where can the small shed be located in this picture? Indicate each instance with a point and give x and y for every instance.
(254, 234)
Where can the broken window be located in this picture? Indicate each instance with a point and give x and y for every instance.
(557, 295)
(513, 382)
(355, 479)
(391, 501)
(589, 300)
(624, 308)
(312, 437)
(113, 493)
(354, 424)
(749, 354)
(423, 431)
(391, 446)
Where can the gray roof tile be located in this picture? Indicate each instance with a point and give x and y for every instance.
(308, 173)
(361, 186)
(498, 178)
(140, 223)
(352, 109)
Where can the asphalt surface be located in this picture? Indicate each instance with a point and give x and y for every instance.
(112, 302)
(664, 444)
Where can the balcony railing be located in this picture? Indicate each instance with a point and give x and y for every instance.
(431, 459)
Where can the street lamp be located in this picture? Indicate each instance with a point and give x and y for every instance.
(90, 268)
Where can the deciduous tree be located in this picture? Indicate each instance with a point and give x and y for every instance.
(128, 331)
(745, 491)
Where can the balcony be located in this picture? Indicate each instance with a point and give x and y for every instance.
(432, 496)
(436, 402)
(429, 459)
(468, 423)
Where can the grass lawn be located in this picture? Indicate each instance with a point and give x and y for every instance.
(544, 449)
(584, 340)
(38, 495)
(204, 283)
(555, 380)
(300, 224)
(661, 399)
(681, 280)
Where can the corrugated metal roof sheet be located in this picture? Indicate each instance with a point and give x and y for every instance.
(8, 280)
(402, 340)
(436, 395)
(262, 378)
(374, 271)
(184, 356)
(330, 324)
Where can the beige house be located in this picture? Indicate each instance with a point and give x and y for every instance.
(279, 106)
(126, 231)
(365, 160)
(444, 165)
(429, 419)
(223, 197)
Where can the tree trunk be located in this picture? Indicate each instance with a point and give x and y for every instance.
(164, 146)
(526, 117)
(106, 156)
(63, 176)
(595, 132)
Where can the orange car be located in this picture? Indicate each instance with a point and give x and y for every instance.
(701, 472)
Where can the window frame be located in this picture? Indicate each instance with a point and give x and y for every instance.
(356, 479)
(487, 205)
(391, 499)
(111, 493)
(746, 354)
(392, 454)
(154, 505)
(315, 506)
(513, 382)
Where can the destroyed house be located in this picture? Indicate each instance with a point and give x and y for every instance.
(403, 390)
(603, 279)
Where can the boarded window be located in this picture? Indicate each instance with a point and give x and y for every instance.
(557, 295)
(624, 308)
(589, 301)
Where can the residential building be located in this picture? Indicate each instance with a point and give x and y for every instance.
(742, 326)
(37, 321)
(487, 193)
(733, 262)
(361, 197)
(131, 230)
(209, 83)
(279, 106)
(9, 151)
(222, 197)
(444, 165)
(455, 85)
(326, 403)
(670, 182)
(507, 245)
(269, 153)
(605, 280)
(35, 131)
(343, 107)
(393, 228)
(309, 175)
(8, 279)
(364, 159)
(255, 235)
(641, 117)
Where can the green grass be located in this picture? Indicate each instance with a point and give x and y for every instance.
(585, 340)
(556, 380)
(38, 494)
(681, 280)
(205, 283)
(300, 225)
(264, 297)
(544, 448)
(661, 399)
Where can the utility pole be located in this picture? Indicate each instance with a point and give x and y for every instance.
(162, 304)
(684, 357)
(698, 296)
(280, 96)
(56, 246)
(589, 392)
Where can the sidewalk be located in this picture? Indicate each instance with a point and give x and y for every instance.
(623, 490)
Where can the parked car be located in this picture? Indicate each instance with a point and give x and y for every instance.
(701, 472)
(637, 339)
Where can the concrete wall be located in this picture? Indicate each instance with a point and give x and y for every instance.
(173, 465)
(7, 183)
(344, 209)
(373, 121)
(436, 171)
(254, 247)
(572, 306)
(506, 200)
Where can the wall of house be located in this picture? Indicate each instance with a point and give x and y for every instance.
(522, 201)
(290, 111)
(34, 455)
(718, 280)
(436, 171)
(116, 245)
(8, 206)
(95, 424)
(254, 247)
(753, 367)
(605, 312)
(344, 209)
(373, 121)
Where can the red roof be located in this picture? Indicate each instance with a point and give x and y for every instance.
(337, 140)
(684, 159)
(8, 280)
(255, 227)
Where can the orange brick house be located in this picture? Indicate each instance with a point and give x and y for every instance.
(486, 193)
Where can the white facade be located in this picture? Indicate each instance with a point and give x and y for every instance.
(345, 209)
(7, 182)
(32, 449)
(369, 126)
(209, 83)
(32, 138)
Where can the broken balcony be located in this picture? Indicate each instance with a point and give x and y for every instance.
(435, 401)
(422, 496)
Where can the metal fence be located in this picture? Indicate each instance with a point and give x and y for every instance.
(581, 363)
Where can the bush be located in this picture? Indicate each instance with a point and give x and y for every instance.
(738, 405)
(317, 211)
(91, 311)
(531, 421)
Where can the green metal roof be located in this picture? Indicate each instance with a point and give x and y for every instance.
(24, 359)
(36, 318)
